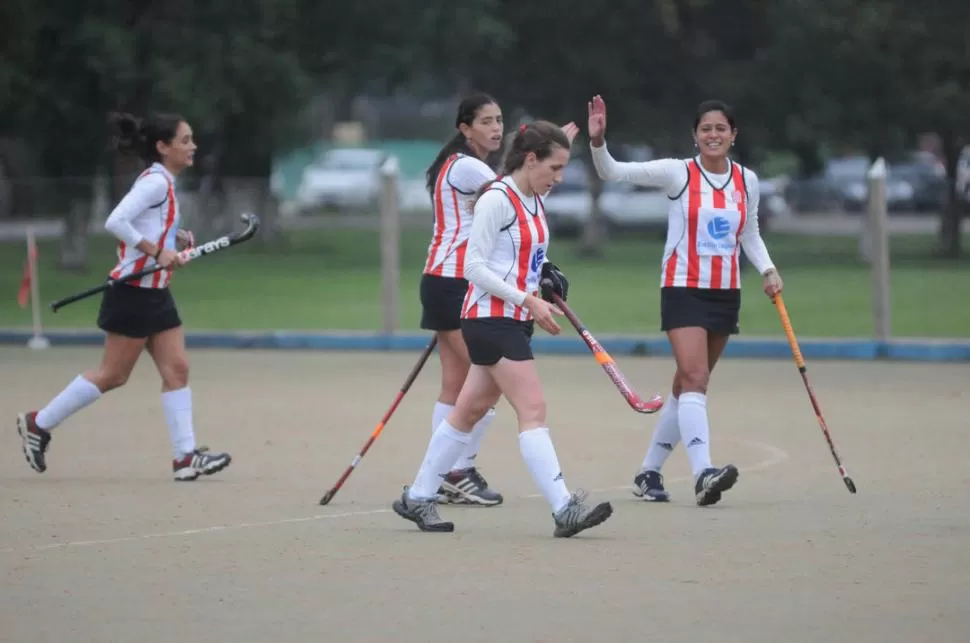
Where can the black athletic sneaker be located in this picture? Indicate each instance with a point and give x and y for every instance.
(35, 440)
(649, 485)
(423, 513)
(199, 463)
(711, 483)
(577, 516)
(467, 487)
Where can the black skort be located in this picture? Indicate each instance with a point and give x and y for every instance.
(441, 302)
(489, 339)
(715, 310)
(136, 312)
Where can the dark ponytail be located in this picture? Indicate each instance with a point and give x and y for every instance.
(539, 137)
(140, 137)
(467, 111)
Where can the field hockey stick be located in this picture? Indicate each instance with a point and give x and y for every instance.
(608, 363)
(800, 362)
(189, 254)
(327, 497)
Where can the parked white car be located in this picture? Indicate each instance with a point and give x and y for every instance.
(344, 178)
(570, 203)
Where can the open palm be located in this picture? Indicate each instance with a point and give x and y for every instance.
(597, 119)
(570, 129)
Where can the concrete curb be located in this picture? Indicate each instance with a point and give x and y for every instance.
(764, 348)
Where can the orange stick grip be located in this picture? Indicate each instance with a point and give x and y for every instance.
(789, 332)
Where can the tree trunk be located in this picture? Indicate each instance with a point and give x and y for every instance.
(245, 177)
(950, 219)
(594, 232)
(74, 244)
(251, 194)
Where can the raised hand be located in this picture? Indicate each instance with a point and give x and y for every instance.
(570, 129)
(597, 120)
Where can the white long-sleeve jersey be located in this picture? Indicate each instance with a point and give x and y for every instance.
(711, 217)
(507, 245)
(150, 210)
(457, 181)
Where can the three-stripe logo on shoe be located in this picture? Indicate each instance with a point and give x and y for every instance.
(666, 445)
(33, 441)
(466, 485)
(695, 442)
(558, 477)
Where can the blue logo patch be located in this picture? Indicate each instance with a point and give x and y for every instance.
(718, 227)
(537, 258)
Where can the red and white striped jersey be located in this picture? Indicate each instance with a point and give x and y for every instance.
(711, 218)
(457, 181)
(508, 246)
(150, 210)
(704, 236)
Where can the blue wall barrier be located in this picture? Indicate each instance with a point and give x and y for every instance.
(566, 344)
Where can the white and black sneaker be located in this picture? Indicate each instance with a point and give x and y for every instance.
(199, 463)
(578, 516)
(423, 513)
(467, 487)
(711, 483)
(35, 441)
(649, 485)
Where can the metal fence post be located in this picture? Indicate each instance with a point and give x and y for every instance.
(879, 250)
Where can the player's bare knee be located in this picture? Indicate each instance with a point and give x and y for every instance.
(531, 412)
(467, 414)
(451, 383)
(175, 373)
(108, 378)
(694, 380)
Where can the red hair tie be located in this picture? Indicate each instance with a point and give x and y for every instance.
(523, 127)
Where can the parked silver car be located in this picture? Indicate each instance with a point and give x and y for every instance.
(343, 178)
(570, 204)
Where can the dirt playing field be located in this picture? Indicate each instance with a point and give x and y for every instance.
(106, 547)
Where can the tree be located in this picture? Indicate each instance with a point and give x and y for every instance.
(871, 74)
(558, 59)
(239, 71)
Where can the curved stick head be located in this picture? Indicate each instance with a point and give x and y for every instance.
(849, 483)
(327, 497)
(652, 405)
(252, 224)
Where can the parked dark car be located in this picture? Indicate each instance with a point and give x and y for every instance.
(913, 183)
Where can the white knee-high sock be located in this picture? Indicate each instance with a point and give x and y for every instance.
(77, 395)
(439, 415)
(666, 435)
(177, 405)
(467, 458)
(694, 430)
(443, 449)
(540, 456)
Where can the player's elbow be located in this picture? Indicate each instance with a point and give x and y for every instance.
(114, 226)
(123, 231)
